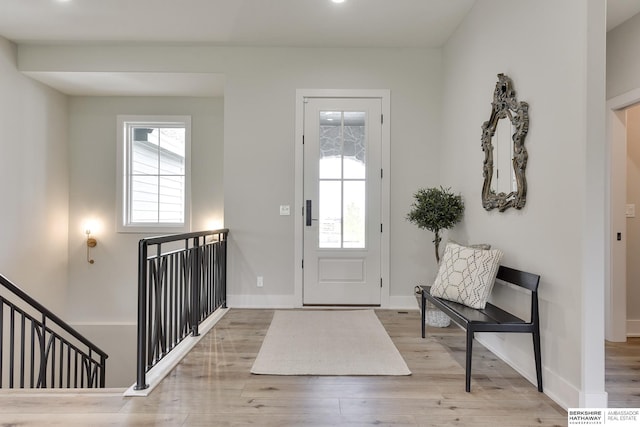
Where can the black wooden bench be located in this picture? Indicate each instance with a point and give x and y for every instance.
(492, 318)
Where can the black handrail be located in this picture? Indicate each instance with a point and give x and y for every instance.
(57, 355)
(178, 288)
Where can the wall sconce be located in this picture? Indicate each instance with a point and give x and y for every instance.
(91, 243)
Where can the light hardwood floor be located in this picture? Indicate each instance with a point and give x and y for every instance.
(623, 373)
(212, 386)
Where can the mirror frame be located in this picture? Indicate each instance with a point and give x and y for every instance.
(505, 105)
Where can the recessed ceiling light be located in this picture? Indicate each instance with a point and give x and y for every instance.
(337, 1)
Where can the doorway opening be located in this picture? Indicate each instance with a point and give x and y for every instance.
(623, 122)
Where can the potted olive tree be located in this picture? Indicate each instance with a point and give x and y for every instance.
(436, 209)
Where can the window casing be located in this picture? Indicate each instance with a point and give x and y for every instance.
(154, 168)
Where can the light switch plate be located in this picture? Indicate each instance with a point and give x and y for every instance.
(285, 210)
(630, 210)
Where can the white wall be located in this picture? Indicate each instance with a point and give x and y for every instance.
(623, 59)
(34, 191)
(118, 340)
(527, 42)
(106, 291)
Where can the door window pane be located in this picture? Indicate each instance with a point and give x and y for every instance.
(330, 214)
(354, 214)
(342, 179)
(354, 145)
(330, 145)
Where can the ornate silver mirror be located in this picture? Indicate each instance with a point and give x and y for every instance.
(505, 156)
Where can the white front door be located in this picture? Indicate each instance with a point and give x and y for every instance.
(342, 194)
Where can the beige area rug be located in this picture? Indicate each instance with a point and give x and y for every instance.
(328, 342)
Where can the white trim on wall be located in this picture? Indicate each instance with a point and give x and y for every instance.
(555, 386)
(593, 270)
(262, 301)
(633, 328)
(385, 96)
(397, 302)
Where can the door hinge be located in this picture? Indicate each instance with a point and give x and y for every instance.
(381, 173)
(381, 119)
(302, 263)
(302, 139)
(381, 227)
(381, 282)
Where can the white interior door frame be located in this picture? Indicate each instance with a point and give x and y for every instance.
(385, 96)
(615, 263)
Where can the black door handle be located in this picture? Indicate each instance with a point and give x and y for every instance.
(308, 212)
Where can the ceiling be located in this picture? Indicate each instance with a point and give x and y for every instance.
(285, 23)
(303, 23)
(619, 11)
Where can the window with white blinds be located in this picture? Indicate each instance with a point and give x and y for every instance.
(153, 160)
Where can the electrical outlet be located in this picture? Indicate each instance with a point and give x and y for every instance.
(285, 210)
(260, 282)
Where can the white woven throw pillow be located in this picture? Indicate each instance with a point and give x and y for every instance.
(466, 275)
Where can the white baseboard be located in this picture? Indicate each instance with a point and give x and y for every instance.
(403, 303)
(261, 301)
(107, 324)
(288, 301)
(594, 400)
(556, 387)
(633, 328)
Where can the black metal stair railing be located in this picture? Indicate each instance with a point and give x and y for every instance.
(182, 279)
(40, 350)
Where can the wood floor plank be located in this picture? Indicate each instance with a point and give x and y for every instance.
(93, 420)
(622, 365)
(204, 403)
(50, 403)
(199, 420)
(512, 421)
(449, 407)
(352, 391)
